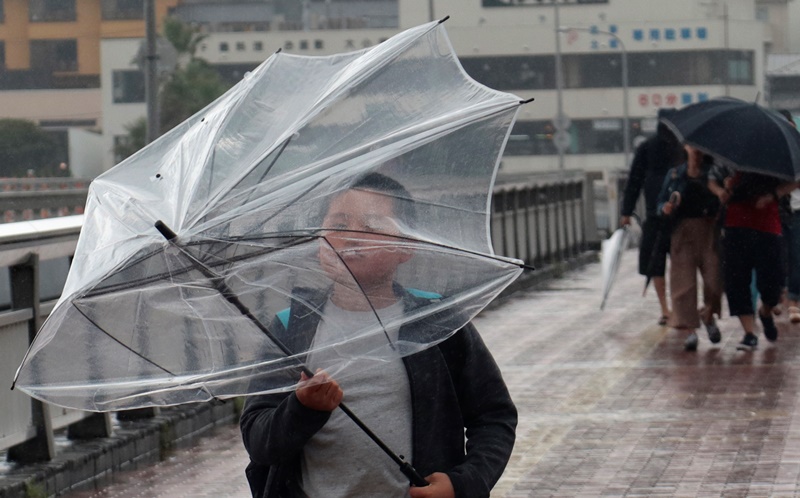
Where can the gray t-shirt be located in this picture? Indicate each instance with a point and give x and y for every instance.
(340, 460)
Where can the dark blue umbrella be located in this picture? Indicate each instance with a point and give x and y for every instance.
(742, 135)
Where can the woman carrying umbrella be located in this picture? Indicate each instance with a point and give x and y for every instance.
(693, 247)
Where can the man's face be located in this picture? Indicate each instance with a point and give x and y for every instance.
(356, 221)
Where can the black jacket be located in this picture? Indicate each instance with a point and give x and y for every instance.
(455, 385)
(651, 162)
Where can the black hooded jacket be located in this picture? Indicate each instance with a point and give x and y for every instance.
(455, 385)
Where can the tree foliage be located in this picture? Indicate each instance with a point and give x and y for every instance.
(182, 36)
(25, 146)
(190, 87)
(135, 139)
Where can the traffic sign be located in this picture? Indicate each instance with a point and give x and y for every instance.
(562, 139)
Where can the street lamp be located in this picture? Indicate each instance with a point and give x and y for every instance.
(626, 129)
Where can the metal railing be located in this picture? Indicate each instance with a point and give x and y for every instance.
(25, 199)
(542, 219)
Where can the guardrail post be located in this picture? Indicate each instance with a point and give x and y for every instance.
(25, 294)
(95, 425)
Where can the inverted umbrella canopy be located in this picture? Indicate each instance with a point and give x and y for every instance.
(742, 135)
(191, 310)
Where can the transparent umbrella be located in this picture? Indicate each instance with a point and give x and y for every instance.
(194, 248)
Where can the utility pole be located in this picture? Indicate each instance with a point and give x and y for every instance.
(626, 126)
(559, 83)
(150, 71)
(727, 48)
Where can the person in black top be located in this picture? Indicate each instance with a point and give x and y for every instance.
(694, 246)
(651, 162)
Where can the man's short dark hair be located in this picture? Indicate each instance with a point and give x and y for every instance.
(403, 202)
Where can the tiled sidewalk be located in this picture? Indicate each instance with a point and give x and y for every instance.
(610, 405)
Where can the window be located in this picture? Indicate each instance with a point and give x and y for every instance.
(535, 3)
(2, 54)
(603, 70)
(127, 86)
(258, 46)
(54, 55)
(303, 44)
(239, 46)
(517, 72)
(713, 67)
(2, 13)
(114, 10)
(587, 136)
(51, 10)
(223, 47)
(740, 67)
(318, 44)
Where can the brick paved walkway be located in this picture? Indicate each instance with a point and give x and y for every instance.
(610, 405)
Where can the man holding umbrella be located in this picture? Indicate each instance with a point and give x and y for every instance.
(653, 159)
(300, 445)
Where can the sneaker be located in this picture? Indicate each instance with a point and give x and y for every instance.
(690, 344)
(794, 314)
(770, 331)
(749, 343)
(713, 332)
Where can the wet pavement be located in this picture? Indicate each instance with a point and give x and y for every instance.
(610, 405)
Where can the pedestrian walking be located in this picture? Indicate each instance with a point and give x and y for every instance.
(751, 243)
(651, 162)
(422, 405)
(790, 224)
(693, 247)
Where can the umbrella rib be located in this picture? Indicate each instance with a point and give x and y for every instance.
(159, 276)
(363, 291)
(430, 243)
(93, 322)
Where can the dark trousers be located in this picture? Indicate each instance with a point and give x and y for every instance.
(654, 247)
(747, 250)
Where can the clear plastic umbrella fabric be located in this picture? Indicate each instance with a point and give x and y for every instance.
(271, 194)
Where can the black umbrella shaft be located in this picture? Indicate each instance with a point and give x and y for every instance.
(230, 296)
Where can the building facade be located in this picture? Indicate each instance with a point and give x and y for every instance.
(50, 67)
(676, 53)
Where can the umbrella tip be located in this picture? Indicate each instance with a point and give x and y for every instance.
(444, 19)
(526, 101)
(165, 230)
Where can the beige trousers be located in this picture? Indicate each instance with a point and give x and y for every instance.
(694, 246)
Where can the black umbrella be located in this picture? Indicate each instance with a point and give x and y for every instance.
(664, 231)
(742, 135)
